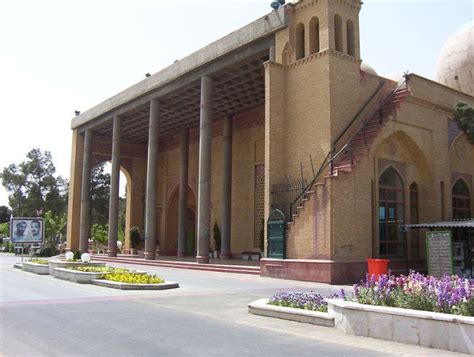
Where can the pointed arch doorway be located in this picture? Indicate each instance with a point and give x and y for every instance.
(171, 229)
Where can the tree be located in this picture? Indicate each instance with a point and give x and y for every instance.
(4, 230)
(100, 199)
(464, 116)
(100, 195)
(33, 186)
(5, 214)
(99, 233)
(54, 225)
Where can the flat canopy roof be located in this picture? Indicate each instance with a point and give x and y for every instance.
(461, 223)
(225, 53)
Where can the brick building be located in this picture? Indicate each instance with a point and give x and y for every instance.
(281, 113)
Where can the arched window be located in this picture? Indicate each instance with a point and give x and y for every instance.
(338, 32)
(350, 38)
(391, 214)
(314, 35)
(299, 41)
(461, 200)
(414, 219)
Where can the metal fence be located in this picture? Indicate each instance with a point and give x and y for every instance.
(285, 193)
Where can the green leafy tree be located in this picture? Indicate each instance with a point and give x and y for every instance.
(54, 225)
(99, 233)
(100, 198)
(100, 195)
(464, 116)
(121, 220)
(4, 230)
(5, 214)
(33, 186)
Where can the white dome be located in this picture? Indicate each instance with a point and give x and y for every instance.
(364, 66)
(396, 77)
(455, 67)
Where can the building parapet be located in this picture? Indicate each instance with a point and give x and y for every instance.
(258, 29)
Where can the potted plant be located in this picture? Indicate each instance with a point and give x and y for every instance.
(134, 239)
(217, 240)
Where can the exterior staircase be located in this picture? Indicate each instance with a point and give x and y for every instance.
(360, 144)
(222, 268)
(356, 144)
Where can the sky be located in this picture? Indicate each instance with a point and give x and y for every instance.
(60, 56)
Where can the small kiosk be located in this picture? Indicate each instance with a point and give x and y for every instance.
(456, 234)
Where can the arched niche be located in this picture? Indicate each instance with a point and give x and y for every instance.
(170, 241)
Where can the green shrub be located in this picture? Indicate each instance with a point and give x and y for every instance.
(77, 255)
(99, 233)
(47, 252)
(135, 237)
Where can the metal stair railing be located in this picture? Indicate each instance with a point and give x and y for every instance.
(379, 107)
(333, 155)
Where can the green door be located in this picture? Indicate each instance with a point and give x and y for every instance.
(277, 235)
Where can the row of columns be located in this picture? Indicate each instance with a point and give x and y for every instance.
(204, 183)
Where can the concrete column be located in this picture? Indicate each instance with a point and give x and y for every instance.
(151, 181)
(183, 192)
(85, 193)
(272, 54)
(114, 188)
(74, 193)
(204, 183)
(226, 187)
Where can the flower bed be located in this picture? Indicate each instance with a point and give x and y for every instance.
(36, 268)
(133, 286)
(263, 308)
(414, 309)
(95, 269)
(133, 278)
(86, 274)
(77, 276)
(304, 300)
(40, 261)
(110, 277)
(69, 264)
(449, 295)
(423, 328)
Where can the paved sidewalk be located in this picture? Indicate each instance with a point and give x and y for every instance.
(207, 315)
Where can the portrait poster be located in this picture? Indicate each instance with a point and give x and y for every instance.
(26, 230)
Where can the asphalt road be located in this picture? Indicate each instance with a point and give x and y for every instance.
(206, 316)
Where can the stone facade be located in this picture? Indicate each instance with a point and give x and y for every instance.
(313, 91)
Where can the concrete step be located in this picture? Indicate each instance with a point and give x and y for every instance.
(238, 269)
(344, 166)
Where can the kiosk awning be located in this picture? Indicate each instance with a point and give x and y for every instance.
(461, 223)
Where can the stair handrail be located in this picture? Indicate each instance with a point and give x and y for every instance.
(359, 113)
(331, 156)
(303, 193)
(379, 106)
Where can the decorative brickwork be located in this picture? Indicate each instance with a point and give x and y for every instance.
(259, 204)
